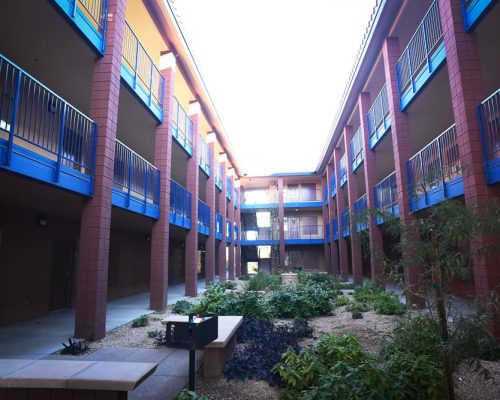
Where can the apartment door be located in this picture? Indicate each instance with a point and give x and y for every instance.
(62, 272)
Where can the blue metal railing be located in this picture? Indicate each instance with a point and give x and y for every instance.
(345, 220)
(435, 165)
(474, 11)
(343, 170)
(333, 184)
(327, 233)
(378, 117)
(356, 148)
(229, 188)
(236, 234)
(489, 118)
(218, 226)
(44, 122)
(203, 218)
(204, 155)
(360, 209)
(335, 228)
(325, 195)
(218, 174)
(144, 70)
(303, 230)
(97, 10)
(386, 194)
(182, 127)
(416, 61)
(236, 198)
(180, 203)
(229, 231)
(136, 176)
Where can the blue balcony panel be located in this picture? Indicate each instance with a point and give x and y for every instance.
(41, 135)
(422, 58)
(257, 206)
(89, 17)
(204, 156)
(182, 128)
(236, 198)
(435, 172)
(386, 197)
(303, 204)
(378, 118)
(236, 235)
(229, 188)
(203, 218)
(304, 241)
(218, 175)
(229, 231)
(136, 183)
(356, 150)
(360, 209)
(474, 11)
(343, 170)
(335, 228)
(260, 242)
(141, 74)
(346, 223)
(218, 226)
(333, 184)
(489, 119)
(180, 205)
(325, 195)
(327, 233)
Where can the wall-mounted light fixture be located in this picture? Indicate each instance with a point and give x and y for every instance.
(41, 220)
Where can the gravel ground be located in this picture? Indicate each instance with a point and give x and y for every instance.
(372, 330)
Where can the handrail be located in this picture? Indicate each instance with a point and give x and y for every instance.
(97, 10)
(301, 195)
(343, 169)
(267, 196)
(180, 200)
(300, 230)
(356, 148)
(386, 193)
(378, 112)
(204, 155)
(489, 114)
(203, 214)
(183, 126)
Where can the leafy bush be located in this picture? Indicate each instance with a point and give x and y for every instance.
(301, 328)
(244, 277)
(250, 305)
(215, 300)
(141, 321)
(342, 300)
(182, 307)
(262, 281)
(385, 303)
(153, 334)
(356, 306)
(263, 345)
(229, 285)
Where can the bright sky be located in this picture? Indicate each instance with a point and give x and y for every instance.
(276, 71)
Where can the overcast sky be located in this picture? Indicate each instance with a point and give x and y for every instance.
(276, 70)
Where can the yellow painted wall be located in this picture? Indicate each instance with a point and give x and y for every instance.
(182, 91)
(137, 16)
(204, 126)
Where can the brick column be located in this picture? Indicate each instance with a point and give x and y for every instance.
(341, 206)
(192, 185)
(400, 132)
(222, 211)
(467, 92)
(326, 220)
(230, 216)
(237, 213)
(163, 158)
(92, 274)
(281, 222)
(353, 195)
(334, 252)
(210, 197)
(374, 232)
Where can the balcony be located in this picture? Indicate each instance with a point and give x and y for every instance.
(236, 235)
(345, 220)
(182, 127)
(435, 172)
(327, 233)
(386, 197)
(236, 198)
(218, 175)
(489, 119)
(204, 156)
(422, 57)
(302, 232)
(229, 231)
(360, 213)
(333, 184)
(378, 118)
(42, 136)
(259, 198)
(141, 75)
(474, 11)
(301, 197)
(343, 170)
(335, 228)
(136, 183)
(180, 205)
(203, 218)
(218, 226)
(259, 236)
(229, 188)
(89, 17)
(356, 149)
(325, 195)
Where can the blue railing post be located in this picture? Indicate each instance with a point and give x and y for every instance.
(73, 8)
(15, 107)
(441, 166)
(150, 85)
(136, 58)
(60, 147)
(129, 184)
(145, 188)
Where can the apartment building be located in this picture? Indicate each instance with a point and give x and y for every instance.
(117, 176)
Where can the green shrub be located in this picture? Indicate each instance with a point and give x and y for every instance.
(215, 300)
(250, 305)
(356, 306)
(385, 303)
(182, 307)
(301, 328)
(342, 300)
(141, 321)
(229, 285)
(244, 277)
(153, 334)
(185, 394)
(262, 281)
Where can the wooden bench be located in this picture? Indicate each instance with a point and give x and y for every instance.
(63, 379)
(216, 353)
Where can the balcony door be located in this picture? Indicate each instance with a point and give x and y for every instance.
(293, 227)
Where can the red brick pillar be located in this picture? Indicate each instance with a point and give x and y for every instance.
(230, 216)
(237, 216)
(341, 206)
(162, 161)
(281, 222)
(467, 92)
(92, 274)
(192, 185)
(400, 131)
(332, 212)
(353, 195)
(222, 211)
(210, 197)
(374, 232)
(326, 217)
